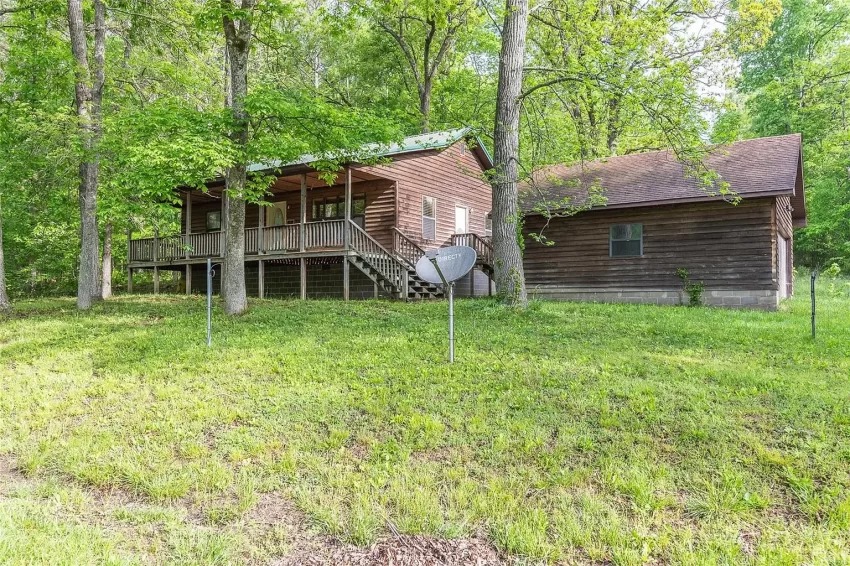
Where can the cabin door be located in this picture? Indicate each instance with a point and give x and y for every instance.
(783, 266)
(276, 214)
(461, 220)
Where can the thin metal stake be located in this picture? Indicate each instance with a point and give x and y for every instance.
(452, 322)
(209, 302)
(814, 276)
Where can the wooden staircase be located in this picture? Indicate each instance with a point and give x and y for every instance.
(393, 275)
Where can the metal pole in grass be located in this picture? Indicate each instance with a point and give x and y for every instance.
(210, 274)
(814, 276)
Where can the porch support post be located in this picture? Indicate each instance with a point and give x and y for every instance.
(156, 245)
(188, 279)
(347, 230)
(302, 223)
(346, 273)
(303, 278)
(156, 280)
(129, 259)
(261, 278)
(346, 264)
(223, 228)
(188, 227)
(261, 224)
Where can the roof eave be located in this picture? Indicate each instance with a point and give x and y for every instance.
(662, 202)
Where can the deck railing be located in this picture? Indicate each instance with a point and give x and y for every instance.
(379, 258)
(275, 239)
(481, 246)
(280, 238)
(203, 245)
(405, 248)
(324, 234)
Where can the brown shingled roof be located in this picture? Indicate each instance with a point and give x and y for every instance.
(758, 167)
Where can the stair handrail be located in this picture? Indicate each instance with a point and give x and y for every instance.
(482, 247)
(407, 249)
(378, 258)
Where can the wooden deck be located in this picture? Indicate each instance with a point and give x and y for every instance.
(318, 238)
(391, 270)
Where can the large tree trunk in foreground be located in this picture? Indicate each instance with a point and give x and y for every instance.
(5, 305)
(88, 95)
(238, 36)
(510, 278)
(106, 279)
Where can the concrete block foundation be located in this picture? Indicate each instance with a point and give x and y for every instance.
(764, 299)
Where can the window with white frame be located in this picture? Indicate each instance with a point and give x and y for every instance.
(626, 240)
(429, 218)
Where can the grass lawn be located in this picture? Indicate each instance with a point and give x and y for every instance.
(580, 433)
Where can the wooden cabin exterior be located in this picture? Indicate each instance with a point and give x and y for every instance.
(304, 239)
(658, 220)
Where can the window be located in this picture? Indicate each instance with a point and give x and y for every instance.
(213, 221)
(488, 224)
(429, 218)
(333, 208)
(626, 240)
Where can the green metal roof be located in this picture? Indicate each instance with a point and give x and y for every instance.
(410, 144)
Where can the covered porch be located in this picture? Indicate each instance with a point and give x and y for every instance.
(303, 218)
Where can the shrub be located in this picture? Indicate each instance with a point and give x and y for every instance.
(694, 289)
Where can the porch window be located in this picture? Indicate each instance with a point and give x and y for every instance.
(429, 218)
(626, 240)
(333, 208)
(214, 221)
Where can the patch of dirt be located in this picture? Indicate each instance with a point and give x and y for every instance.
(401, 550)
(748, 540)
(10, 475)
(273, 515)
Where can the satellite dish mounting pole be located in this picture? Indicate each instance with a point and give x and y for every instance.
(456, 262)
(452, 322)
(450, 286)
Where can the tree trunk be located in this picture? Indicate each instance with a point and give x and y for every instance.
(425, 105)
(88, 97)
(510, 278)
(106, 279)
(5, 304)
(238, 37)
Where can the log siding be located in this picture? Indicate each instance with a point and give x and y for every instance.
(729, 248)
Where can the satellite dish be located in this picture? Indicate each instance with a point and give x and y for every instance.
(453, 262)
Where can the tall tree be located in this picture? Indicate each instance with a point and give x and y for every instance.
(5, 305)
(237, 32)
(88, 102)
(510, 278)
(426, 33)
(800, 82)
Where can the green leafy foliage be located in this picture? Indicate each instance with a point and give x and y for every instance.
(798, 82)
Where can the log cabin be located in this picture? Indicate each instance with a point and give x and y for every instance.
(659, 219)
(356, 238)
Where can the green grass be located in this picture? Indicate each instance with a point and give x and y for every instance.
(580, 433)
